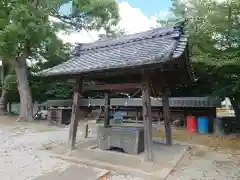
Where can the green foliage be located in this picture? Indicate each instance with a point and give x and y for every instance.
(28, 30)
(10, 85)
(44, 88)
(25, 25)
(88, 14)
(10, 82)
(214, 41)
(24, 28)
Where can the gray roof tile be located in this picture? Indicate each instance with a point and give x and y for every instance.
(153, 46)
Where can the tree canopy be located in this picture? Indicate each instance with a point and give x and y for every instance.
(27, 32)
(214, 40)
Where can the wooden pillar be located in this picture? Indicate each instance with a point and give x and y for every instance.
(106, 110)
(75, 114)
(137, 115)
(147, 118)
(166, 115)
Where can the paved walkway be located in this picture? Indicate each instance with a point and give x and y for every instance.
(75, 172)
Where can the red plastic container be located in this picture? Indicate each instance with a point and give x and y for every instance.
(191, 124)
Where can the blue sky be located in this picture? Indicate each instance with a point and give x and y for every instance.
(149, 7)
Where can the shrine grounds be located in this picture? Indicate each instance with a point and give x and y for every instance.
(34, 150)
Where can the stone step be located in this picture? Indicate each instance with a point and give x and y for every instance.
(75, 172)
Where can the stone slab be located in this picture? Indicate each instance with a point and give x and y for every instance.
(75, 172)
(165, 159)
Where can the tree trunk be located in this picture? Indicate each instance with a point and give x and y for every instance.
(26, 107)
(3, 102)
(9, 107)
(3, 98)
(236, 107)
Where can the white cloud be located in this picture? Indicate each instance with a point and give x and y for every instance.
(163, 14)
(218, 1)
(132, 20)
(79, 37)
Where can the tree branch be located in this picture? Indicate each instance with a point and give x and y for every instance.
(69, 19)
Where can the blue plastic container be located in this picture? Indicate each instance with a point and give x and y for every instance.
(202, 123)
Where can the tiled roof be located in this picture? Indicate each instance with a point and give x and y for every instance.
(150, 47)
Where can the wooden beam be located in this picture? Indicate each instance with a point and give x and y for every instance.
(106, 110)
(111, 87)
(166, 114)
(147, 118)
(75, 112)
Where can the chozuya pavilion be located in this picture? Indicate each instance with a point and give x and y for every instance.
(155, 60)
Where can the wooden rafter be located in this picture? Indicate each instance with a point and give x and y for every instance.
(112, 87)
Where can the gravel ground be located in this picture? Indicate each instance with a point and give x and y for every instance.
(203, 164)
(20, 154)
(22, 157)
